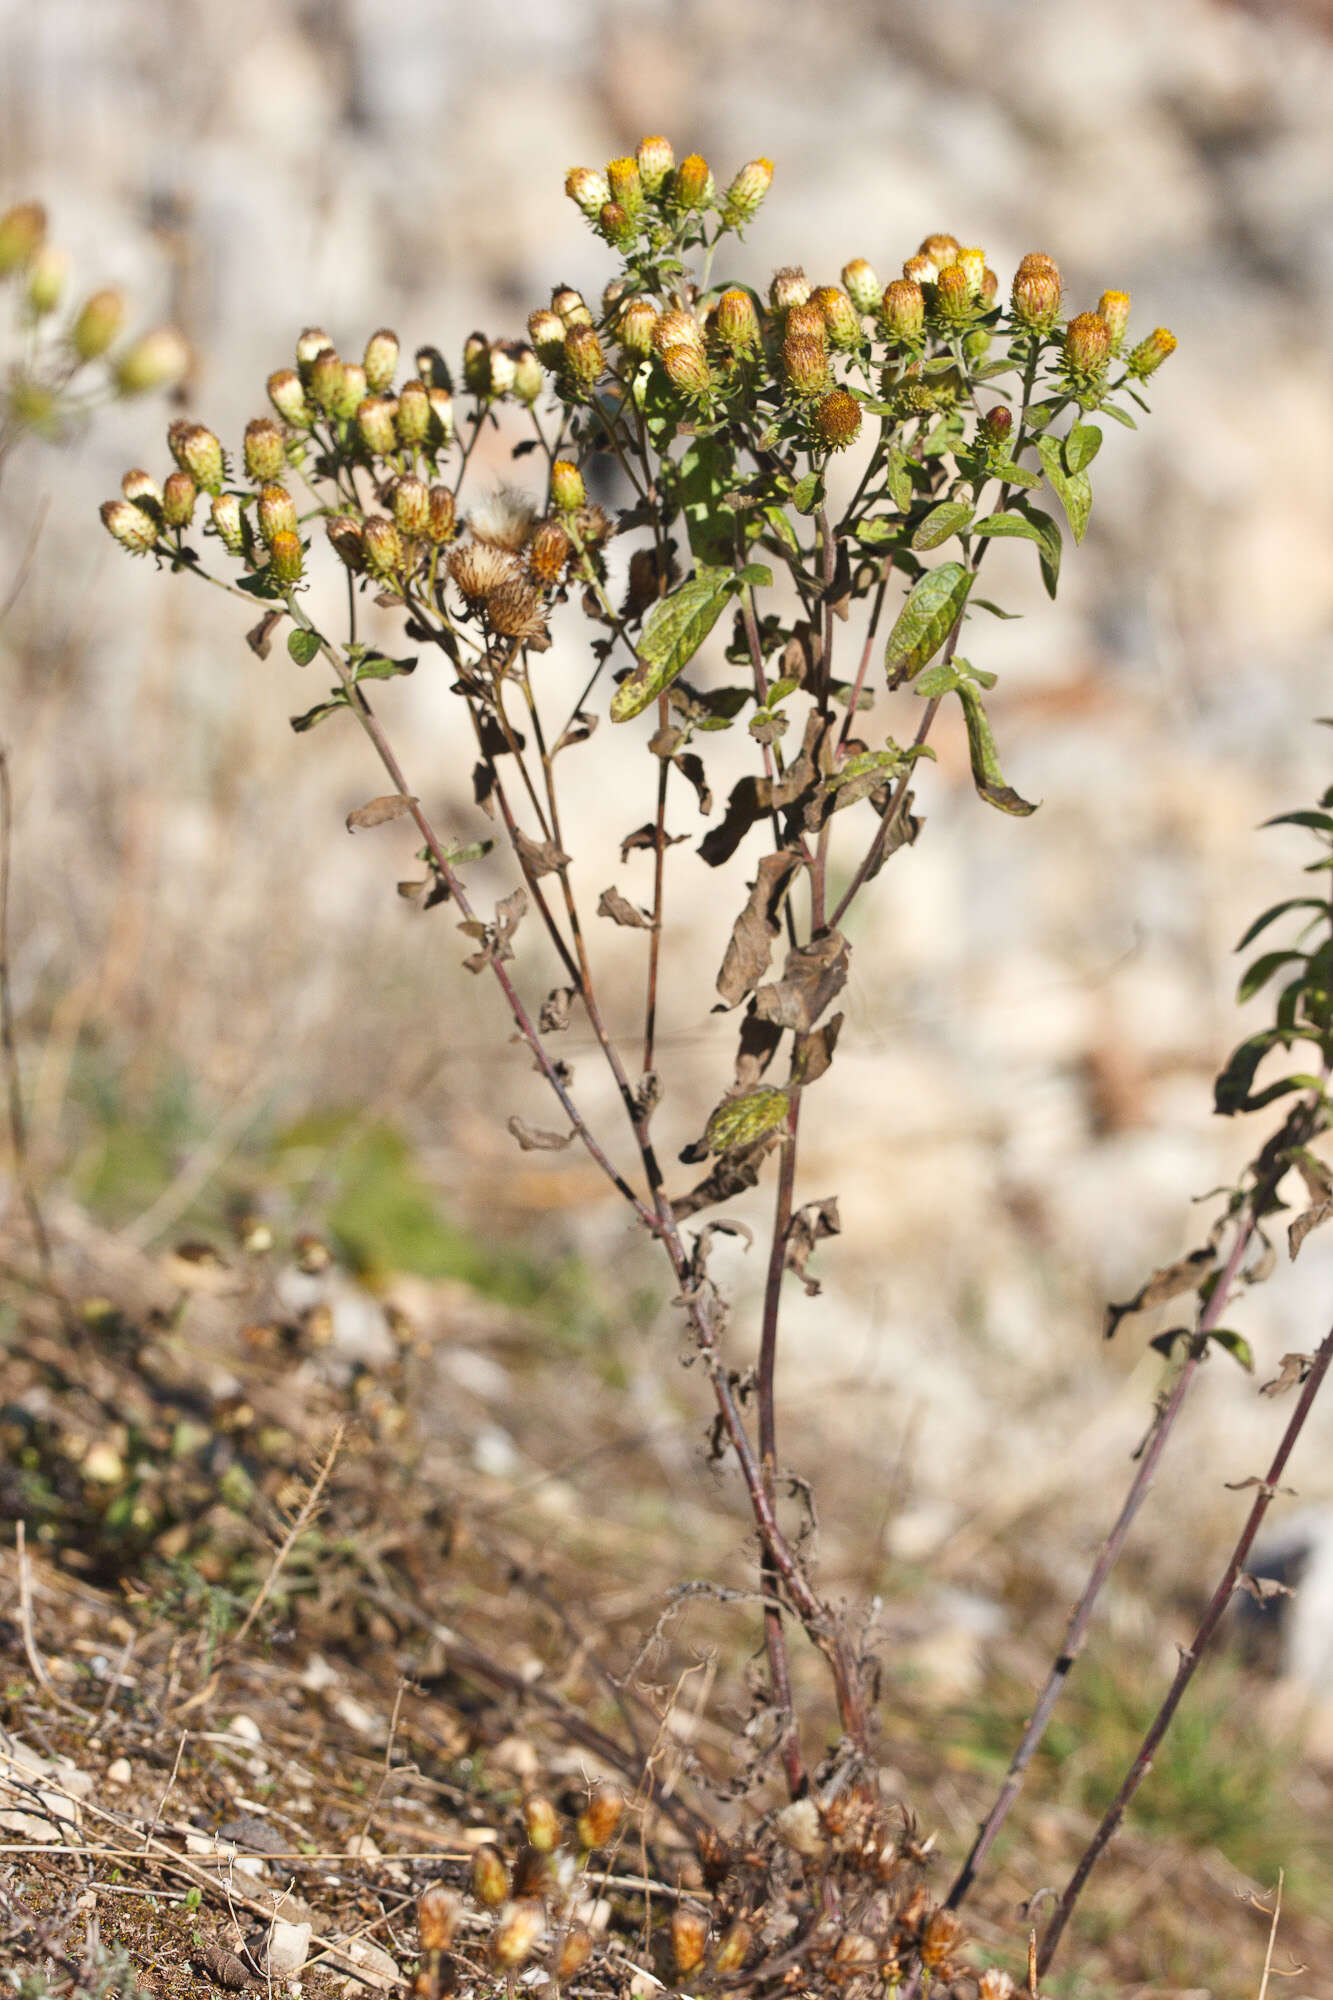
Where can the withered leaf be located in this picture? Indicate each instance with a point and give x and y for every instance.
(621, 911)
(540, 857)
(691, 768)
(740, 1121)
(1318, 1180)
(496, 938)
(813, 976)
(666, 741)
(751, 943)
(499, 742)
(810, 1225)
(758, 1045)
(902, 833)
(1291, 1369)
(378, 812)
(745, 806)
(1262, 1588)
(533, 1140)
(577, 730)
(554, 1016)
(648, 1096)
(1244, 1485)
(1309, 1218)
(1167, 1283)
(483, 788)
(646, 836)
(819, 1051)
(1263, 1266)
(731, 1176)
(260, 637)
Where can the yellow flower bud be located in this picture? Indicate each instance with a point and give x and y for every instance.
(747, 191)
(275, 514)
(130, 525)
(381, 360)
(265, 450)
(1149, 355)
(839, 315)
(863, 286)
(412, 419)
(154, 361)
(587, 189)
(691, 184)
(687, 370)
(656, 160)
(625, 185)
(567, 489)
(179, 495)
(288, 397)
(805, 363)
(1087, 347)
(22, 233)
(96, 324)
(286, 557)
(384, 550)
(735, 323)
(636, 325)
(1114, 309)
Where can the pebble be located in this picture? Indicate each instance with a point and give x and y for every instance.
(119, 1772)
(246, 1728)
(375, 1966)
(288, 1948)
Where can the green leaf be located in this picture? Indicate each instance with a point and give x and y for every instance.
(875, 531)
(1121, 416)
(1081, 447)
(675, 629)
(899, 480)
(1258, 975)
(302, 645)
(949, 518)
(1316, 821)
(782, 528)
(926, 620)
(379, 667)
(756, 576)
(1280, 910)
(1073, 491)
(1231, 1091)
(986, 773)
(338, 699)
(996, 610)
(741, 1120)
(808, 493)
(938, 680)
(262, 584)
(1236, 1345)
(1030, 524)
(707, 473)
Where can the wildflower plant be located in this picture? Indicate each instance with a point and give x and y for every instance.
(811, 481)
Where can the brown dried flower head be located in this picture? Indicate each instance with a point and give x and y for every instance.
(789, 287)
(479, 569)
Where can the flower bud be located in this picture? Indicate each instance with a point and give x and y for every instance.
(678, 328)
(735, 322)
(625, 185)
(529, 380)
(411, 506)
(570, 307)
(229, 522)
(584, 360)
(548, 552)
(972, 263)
(941, 248)
(614, 223)
(286, 557)
(288, 397)
(198, 452)
(477, 366)
(265, 450)
(46, 279)
(789, 287)
(490, 1877)
(375, 425)
(515, 1935)
(275, 514)
(687, 371)
(142, 488)
(921, 270)
(805, 362)
(438, 1911)
(441, 415)
(345, 539)
(863, 286)
(575, 1951)
(1035, 297)
(689, 1939)
(325, 379)
(587, 189)
(380, 360)
(22, 233)
(600, 1818)
(384, 550)
(807, 323)
(840, 316)
(748, 190)
(837, 419)
(309, 347)
(1114, 309)
(443, 514)
(656, 160)
(154, 361)
(996, 426)
(352, 394)
(179, 494)
(96, 324)
(539, 1815)
(636, 325)
(733, 1946)
(1149, 355)
(691, 184)
(990, 289)
(952, 297)
(546, 331)
(567, 489)
(942, 1932)
(501, 369)
(1087, 347)
(130, 525)
(413, 415)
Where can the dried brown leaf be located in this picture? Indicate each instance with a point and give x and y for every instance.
(1244, 1485)
(533, 1140)
(578, 729)
(621, 911)
(1292, 1369)
(496, 938)
(1167, 1283)
(1262, 1588)
(813, 976)
(260, 637)
(691, 768)
(819, 1050)
(540, 857)
(554, 1016)
(732, 1175)
(751, 944)
(810, 1225)
(1309, 1218)
(759, 1043)
(224, 1967)
(378, 812)
(645, 836)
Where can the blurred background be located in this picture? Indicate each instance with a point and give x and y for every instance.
(221, 998)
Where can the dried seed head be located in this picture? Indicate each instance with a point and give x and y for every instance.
(996, 1985)
(689, 1939)
(178, 498)
(972, 263)
(502, 369)
(353, 391)
(600, 1818)
(229, 521)
(381, 360)
(131, 526)
(515, 612)
(584, 360)
(375, 425)
(587, 189)
(344, 533)
(656, 160)
(575, 1951)
(197, 451)
(438, 1911)
(1114, 309)
(539, 1815)
(805, 362)
(443, 514)
(504, 518)
(678, 328)
(22, 233)
(412, 417)
(309, 347)
(546, 331)
(789, 287)
(636, 325)
(490, 1877)
(516, 1934)
(837, 419)
(142, 488)
(747, 190)
(625, 184)
(806, 321)
(687, 370)
(567, 489)
(154, 361)
(286, 557)
(921, 270)
(1035, 296)
(96, 324)
(593, 526)
(952, 297)
(841, 320)
(940, 247)
(1149, 355)
(479, 569)
(548, 552)
(383, 546)
(691, 185)
(939, 1940)
(1087, 347)
(265, 449)
(732, 1949)
(568, 305)
(411, 506)
(276, 513)
(288, 397)
(735, 322)
(532, 1868)
(799, 1827)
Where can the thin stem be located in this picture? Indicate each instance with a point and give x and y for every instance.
(659, 883)
(1189, 1658)
(765, 1393)
(18, 1126)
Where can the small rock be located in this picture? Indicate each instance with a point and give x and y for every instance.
(358, 1717)
(375, 1966)
(119, 1773)
(288, 1948)
(317, 1674)
(246, 1728)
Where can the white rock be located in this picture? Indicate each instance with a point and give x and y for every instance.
(119, 1773)
(246, 1728)
(375, 1965)
(288, 1948)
